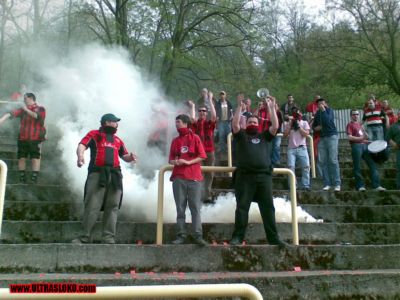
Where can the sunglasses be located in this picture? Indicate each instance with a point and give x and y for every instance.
(202, 110)
(355, 114)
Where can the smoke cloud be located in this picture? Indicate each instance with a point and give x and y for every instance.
(93, 81)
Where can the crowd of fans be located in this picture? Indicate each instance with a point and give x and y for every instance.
(211, 118)
(202, 139)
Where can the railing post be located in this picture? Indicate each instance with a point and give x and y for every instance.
(3, 180)
(160, 203)
(160, 206)
(293, 201)
(229, 148)
(312, 157)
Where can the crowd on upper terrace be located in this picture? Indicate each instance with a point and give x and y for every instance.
(211, 116)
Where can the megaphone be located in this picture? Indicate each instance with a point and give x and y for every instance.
(263, 93)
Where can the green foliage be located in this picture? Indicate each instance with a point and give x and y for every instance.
(231, 45)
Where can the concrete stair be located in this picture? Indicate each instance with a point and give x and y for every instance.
(354, 254)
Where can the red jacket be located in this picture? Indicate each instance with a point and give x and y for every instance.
(187, 147)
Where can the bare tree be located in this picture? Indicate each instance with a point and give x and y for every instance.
(376, 24)
(189, 25)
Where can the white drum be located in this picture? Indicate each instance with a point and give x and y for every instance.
(378, 151)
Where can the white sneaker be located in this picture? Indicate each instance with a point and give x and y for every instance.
(362, 189)
(326, 188)
(380, 188)
(337, 188)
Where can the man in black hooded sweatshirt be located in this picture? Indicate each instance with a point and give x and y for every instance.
(252, 179)
(103, 188)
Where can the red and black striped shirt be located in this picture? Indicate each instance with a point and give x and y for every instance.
(30, 128)
(205, 130)
(105, 149)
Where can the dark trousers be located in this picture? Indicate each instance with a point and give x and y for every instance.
(358, 152)
(254, 187)
(209, 176)
(95, 198)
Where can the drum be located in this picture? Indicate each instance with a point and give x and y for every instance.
(379, 151)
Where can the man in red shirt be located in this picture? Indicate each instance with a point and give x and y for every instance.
(103, 187)
(32, 133)
(185, 155)
(392, 117)
(263, 116)
(204, 127)
(358, 139)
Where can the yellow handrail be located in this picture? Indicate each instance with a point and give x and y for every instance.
(3, 180)
(308, 137)
(160, 203)
(151, 291)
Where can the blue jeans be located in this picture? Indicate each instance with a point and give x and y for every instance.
(224, 128)
(328, 160)
(276, 150)
(358, 152)
(375, 133)
(300, 154)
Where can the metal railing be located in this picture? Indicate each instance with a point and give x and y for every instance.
(3, 180)
(151, 291)
(310, 143)
(160, 203)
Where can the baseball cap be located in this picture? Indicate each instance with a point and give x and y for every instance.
(222, 92)
(110, 118)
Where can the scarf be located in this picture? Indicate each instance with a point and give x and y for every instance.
(252, 129)
(186, 139)
(109, 129)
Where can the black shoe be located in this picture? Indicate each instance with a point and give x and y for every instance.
(280, 244)
(208, 200)
(81, 240)
(34, 179)
(22, 177)
(235, 241)
(200, 241)
(179, 241)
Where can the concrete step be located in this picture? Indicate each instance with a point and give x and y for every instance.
(39, 192)
(354, 214)
(281, 183)
(39, 211)
(52, 177)
(48, 164)
(16, 232)
(69, 211)
(322, 284)
(369, 197)
(70, 258)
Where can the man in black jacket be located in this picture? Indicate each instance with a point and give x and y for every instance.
(253, 176)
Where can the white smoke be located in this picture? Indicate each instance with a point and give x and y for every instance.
(93, 81)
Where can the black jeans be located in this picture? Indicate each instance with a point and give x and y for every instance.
(251, 187)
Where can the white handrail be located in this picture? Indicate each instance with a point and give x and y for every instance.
(3, 180)
(151, 291)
